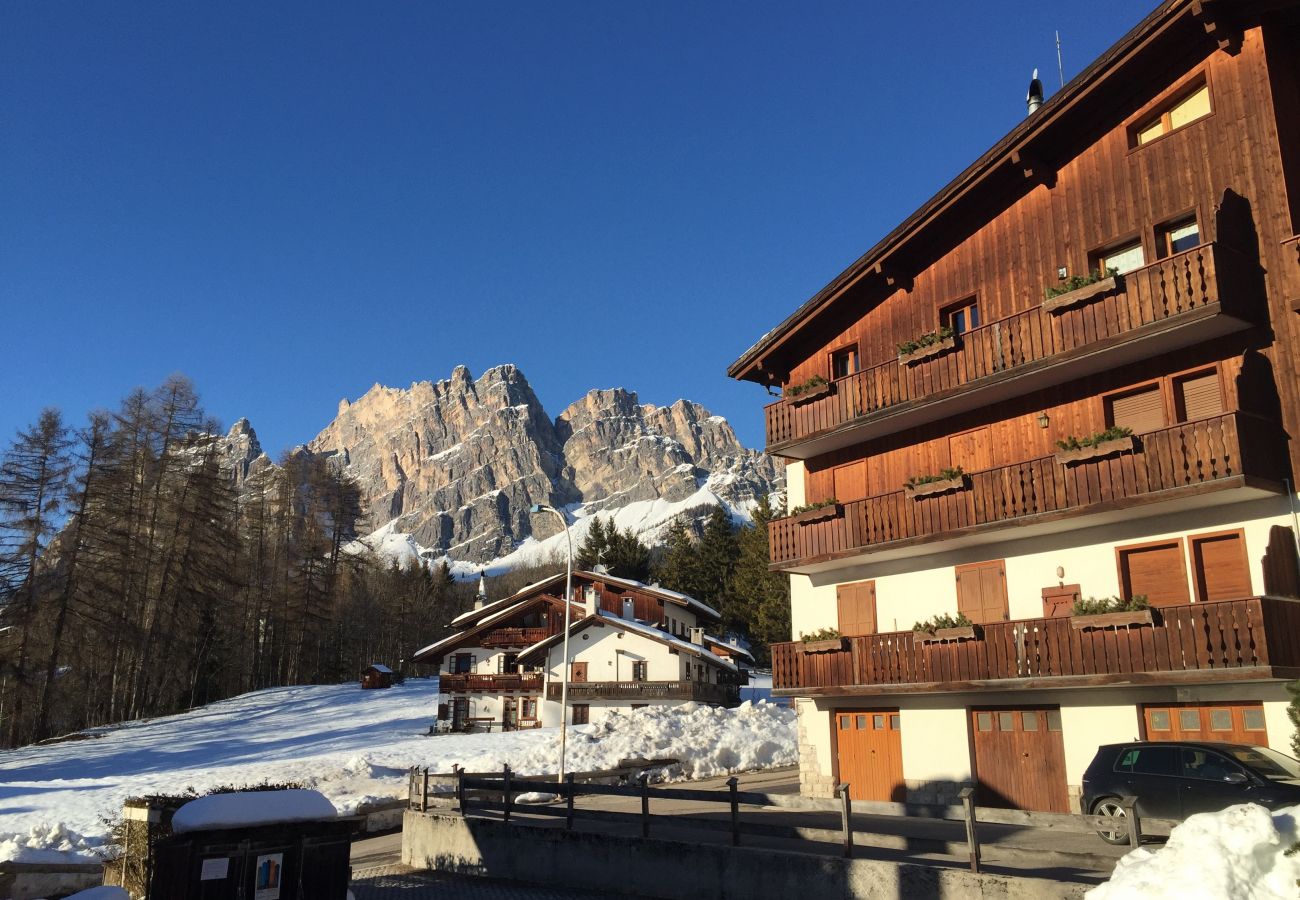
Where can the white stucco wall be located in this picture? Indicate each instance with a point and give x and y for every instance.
(914, 589)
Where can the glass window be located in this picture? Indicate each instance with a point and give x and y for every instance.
(1268, 763)
(1029, 720)
(878, 723)
(1207, 766)
(1159, 720)
(844, 362)
(961, 317)
(1220, 720)
(1184, 111)
(1179, 236)
(1189, 719)
(1153, 760)
(893, 722)
(845, 723)
(1006, 721)
(1053, 720)
(984, 721)
(1252, 719)
(1124, 258)
(862, 722)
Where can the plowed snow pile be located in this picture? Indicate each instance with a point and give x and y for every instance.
(349, 744)
(1237, 854)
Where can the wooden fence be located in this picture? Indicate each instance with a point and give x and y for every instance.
(498, 793)
(1179, 285)
(1226, 634)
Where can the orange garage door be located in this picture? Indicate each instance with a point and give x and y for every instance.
(870, 751)
(1241, 723)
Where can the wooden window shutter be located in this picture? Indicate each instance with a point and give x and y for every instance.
(1199, 397)
(857, 608)
(1141, 410)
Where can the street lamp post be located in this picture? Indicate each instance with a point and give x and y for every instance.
(568, 608)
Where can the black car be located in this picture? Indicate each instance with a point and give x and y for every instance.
(1175, 779)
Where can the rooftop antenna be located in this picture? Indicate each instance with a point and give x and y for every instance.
(1060, 69)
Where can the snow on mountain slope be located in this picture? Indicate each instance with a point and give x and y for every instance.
(349, 744)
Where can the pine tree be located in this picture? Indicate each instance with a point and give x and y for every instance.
(759, 597)
(678, 561)
(595, 546)
(716, 561)
(626, 556)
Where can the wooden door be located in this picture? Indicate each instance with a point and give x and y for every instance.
(1241, 723)
(509, 717)
(982, 592)
(581, 714)
(1020, 758)
(857, 608)
(1156, 571)
(869, 748)
(1220, 567)
(577, 672)
(972, 450)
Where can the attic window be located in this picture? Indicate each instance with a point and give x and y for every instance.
(1186, 109)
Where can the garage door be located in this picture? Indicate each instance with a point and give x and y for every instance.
(1020, 758)
(870, 750)
(1241, 723)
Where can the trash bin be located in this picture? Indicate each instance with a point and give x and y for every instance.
(256, 845)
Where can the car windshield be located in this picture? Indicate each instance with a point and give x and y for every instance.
(1266, 762)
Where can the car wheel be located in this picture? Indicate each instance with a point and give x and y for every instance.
(1110, 806)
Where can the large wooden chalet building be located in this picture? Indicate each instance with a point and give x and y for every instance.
(630, 645)
(973, 442)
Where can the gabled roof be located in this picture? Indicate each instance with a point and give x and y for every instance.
(700, 609)
(733, 649)
(1036, 143)
(380, 668)
(605, 617)
(465, 637)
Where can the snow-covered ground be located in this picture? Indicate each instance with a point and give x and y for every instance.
(1239, 853)
(349, 744)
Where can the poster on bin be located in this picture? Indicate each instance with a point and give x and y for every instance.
(266, 884)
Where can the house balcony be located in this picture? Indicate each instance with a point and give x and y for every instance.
(1225, 459)
(489, 684)
(1251, 639)
(1179, 301)
(646, 691)
(513, 637)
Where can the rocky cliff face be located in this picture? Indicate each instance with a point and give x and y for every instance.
(457, 463)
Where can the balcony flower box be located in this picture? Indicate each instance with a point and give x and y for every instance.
(1113, 620)
(923, 353)
(816, 392)
(942, 486)
(1105, 448)
(831, 645)
(819, 514)
(943, 635)
(1082, 295)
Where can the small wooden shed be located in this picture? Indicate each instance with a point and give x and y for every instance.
(376, 676)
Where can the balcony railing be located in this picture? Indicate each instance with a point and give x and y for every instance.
(514, 637)
(488, 684)
(1177, 291)
(646, 691)
(1231, 450)
(1229, 636)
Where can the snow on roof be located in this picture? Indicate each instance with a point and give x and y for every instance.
(682, 599)
(476, 614)
(733, 649)
(651, 631)
(381, 668)
(245, 809)
(452, 641)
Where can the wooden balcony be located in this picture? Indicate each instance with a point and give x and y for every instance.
(646, 691)
(1254, 638)
(1176, 302)
(1231, 457)
(514, 637)
(489, 684)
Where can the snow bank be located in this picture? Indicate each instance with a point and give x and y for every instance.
(352, 746)
(252, 808)
(1237, 854)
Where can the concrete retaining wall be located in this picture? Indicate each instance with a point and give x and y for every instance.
(675, 870)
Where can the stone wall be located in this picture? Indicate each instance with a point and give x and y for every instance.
(813, 782)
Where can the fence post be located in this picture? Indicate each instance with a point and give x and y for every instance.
(732, 783)
(424, 791)
(644, 778)
(505, 798)
(846, 818)
(1134, 821)
(972, 839)
(568, 789)
(460, 789)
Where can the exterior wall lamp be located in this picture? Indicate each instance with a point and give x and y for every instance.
(1043, 420)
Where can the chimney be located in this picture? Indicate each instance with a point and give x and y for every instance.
(1034, 98)
(591, 599)
(697, 636)
(629, 609)
(480, 599)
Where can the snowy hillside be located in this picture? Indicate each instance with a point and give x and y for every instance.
(349, 744)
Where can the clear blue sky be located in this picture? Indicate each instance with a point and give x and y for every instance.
(290, 201)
